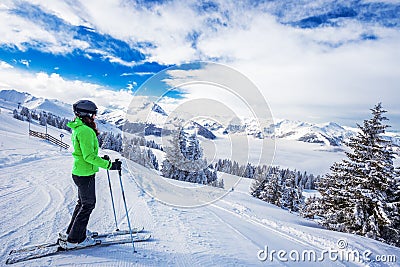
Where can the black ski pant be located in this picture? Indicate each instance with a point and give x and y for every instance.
(86, 202)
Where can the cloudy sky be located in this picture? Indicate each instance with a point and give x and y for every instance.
(313, 60)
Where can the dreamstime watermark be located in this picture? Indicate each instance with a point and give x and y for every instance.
(341, 253)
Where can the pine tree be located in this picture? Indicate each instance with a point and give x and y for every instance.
(185, 162)
(258, 186)
(310, 207)
(166, 169)
(391, 232)
(106, 141)
(272, 192)
(174, 152)
(17, 116)
(336, 195)
(291, 196)
(42, 119)
(355, 196)
(249, 171)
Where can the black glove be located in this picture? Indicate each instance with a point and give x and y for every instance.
(116, 165)
(106, 157)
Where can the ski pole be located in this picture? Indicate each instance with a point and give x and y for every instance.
(112, 198)
(126, 209)
(112, 201)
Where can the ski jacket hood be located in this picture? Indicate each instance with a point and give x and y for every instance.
(86, 148)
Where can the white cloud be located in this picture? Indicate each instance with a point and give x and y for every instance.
(144, 73)
(25, 62)
(118, 60)
(71, 11)
(131, 86)
(126, 74)
(69, 91)
(23, 33)
(382, 1)
(331, 84)
(5, 65)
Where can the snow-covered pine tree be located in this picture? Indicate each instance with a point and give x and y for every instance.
(25, 112)
(310, 207)
(260, 180)
(42, 118)
(235, 168)
(291, 196)
(278, 187)
(105, 141)
(153, 159)
(373, 157)
(391, 233)
(309, 182)
(272, 191)
(174, 154)
(249, 171)
(336, 196)
(257, 186)
(17, 116)
(166, 169)
(193, 150)
(185, 162)
(355, 193)
(211, 175)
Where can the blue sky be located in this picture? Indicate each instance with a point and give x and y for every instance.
(315, 61)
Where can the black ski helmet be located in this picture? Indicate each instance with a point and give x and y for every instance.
(84, 108)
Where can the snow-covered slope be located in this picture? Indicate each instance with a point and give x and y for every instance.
(37, 198)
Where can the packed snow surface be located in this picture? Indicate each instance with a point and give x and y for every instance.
(37, 197)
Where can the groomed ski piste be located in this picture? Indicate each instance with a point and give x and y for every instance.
(37, 197)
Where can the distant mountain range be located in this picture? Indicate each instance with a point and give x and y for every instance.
(27, 100)
(150, 117)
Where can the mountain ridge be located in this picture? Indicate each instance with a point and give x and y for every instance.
(325, 134)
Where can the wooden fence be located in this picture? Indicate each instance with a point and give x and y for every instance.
(49, 138)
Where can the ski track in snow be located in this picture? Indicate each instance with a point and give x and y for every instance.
(29, 212)
(260, 242)
(38, 196)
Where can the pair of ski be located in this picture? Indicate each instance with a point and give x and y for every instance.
(49, 249)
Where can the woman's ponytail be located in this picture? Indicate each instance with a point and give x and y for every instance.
(89, 121)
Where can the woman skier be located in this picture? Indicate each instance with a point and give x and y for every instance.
(86, 164)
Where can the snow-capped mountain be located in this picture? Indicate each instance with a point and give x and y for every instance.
(331, 133)
(149, 118)
(12, 99)
(327, 134)
(194, 126)
(157, 108)
(27, 100)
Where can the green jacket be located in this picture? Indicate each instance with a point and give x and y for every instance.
(86, 148)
